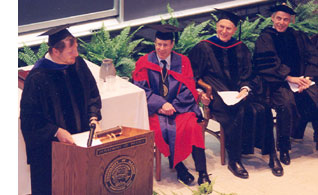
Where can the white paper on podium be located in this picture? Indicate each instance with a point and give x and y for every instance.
(230, 97)
(294, 87)
(80, 139)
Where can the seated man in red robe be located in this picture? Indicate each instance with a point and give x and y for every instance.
(167, 79)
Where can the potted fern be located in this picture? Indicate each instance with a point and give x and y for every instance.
(189, 37)
(28, 56)
(120, 48)
(306, 18)
(306, 21)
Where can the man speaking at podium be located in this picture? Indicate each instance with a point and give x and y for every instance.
(60, 98)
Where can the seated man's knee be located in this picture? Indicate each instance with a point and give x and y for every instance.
(286, 108)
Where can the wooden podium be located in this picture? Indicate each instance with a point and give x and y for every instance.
(121, 166)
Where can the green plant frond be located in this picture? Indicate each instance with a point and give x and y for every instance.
(266, 22)
(172, 20)
(106, 35)
(121, 41)
(189, 32)
(170, 10)
(94, 57)
(305, 11)
(132, 45)
(126, 60)
(141, 53)
(251, 26)
(42, 50)
(133, 33)
(125, 66)
(190, 36)
(123, 36)
(81, 41)
(83, 56)
(107, 42)
(306, 18)
(162, 21)
(86, 46)
(97, 45)
(214, 17)
(145, 42)
(205, 188)
(25, 58)
(198, 29)
(27, 55)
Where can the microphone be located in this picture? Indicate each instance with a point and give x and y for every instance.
(91, 134)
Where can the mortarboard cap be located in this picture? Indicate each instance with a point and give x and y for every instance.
(57, 34)
(222, 14)
(166, 31)
(235, 19)
(283, 8)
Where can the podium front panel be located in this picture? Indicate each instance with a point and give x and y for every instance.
(121, 166)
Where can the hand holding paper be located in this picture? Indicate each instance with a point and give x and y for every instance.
(231, 97)
(64, 136)
(243, 93)
(295, 87)
(80, 139)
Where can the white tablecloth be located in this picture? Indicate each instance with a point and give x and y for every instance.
(122, 104)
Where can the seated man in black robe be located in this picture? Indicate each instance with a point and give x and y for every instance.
(60, 97)
(225, 64)
(284, 57)
(314, 40)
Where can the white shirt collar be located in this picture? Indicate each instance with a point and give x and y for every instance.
(168, 60)
(48, 56)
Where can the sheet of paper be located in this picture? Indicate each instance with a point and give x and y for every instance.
(294, 87)
(229, 97)
(80, 139)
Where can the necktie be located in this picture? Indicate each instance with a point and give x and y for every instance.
(164, 86)
(164, 69)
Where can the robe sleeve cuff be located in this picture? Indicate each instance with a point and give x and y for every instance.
(246, 87)
(55, 133)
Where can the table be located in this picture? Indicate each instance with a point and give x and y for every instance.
(122, 104)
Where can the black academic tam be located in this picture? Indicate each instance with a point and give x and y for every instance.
(57, 34)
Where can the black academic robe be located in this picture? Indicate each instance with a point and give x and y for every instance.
(278, 55)
(228, 67)
(56, 96)
(314, 40)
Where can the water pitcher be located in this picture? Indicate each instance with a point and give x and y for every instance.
(107, 70)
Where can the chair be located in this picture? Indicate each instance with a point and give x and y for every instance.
(158, 163)
(219, 134)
